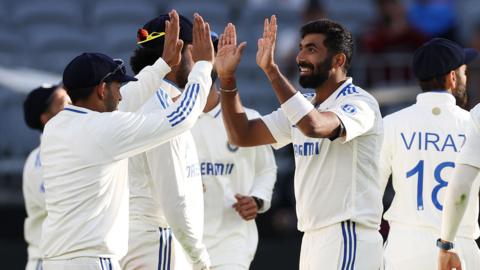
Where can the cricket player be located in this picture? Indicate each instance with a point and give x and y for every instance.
(456, 251)
(336, 136)
(85, 151)
(421, 144)
(41, 105)
(238, 184)
(166, 192)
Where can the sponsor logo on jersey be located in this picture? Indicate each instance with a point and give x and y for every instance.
(231, 147)
(349, 108)
(306, 149)
(431, 141)
(347, 90)
(193, 170)
(217, 168)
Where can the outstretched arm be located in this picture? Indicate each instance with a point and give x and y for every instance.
(240, 130)
(297, 108)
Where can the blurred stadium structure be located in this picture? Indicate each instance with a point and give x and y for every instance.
(37, 39)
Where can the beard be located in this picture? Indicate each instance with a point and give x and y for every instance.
(319, 76)
(460, 93)
(111, 104)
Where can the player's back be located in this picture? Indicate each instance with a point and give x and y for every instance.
(420, 147)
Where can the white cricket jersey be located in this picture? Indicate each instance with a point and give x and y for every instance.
(85, 166)
(336, 180)
(227, 170)
(166, 186)
(421, 144)
(469, 154)
(33, 194)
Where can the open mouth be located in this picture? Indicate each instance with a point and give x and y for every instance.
(304, 70)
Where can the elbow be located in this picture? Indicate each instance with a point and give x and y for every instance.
(237, 140)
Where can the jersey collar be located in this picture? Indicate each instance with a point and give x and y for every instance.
(171, 89)
(75, 109)
(436, 98)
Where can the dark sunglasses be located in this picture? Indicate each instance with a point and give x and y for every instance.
(120, 67)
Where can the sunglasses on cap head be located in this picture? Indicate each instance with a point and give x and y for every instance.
(143, 35)
(120, 67)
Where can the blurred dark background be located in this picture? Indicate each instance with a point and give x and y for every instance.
(37, 39)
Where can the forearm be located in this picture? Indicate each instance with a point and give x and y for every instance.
(282, 87)
(135, 94)
(234, 116)
(456, 200)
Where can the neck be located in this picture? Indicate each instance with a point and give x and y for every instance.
(91, 105)
(328, 87)
(171, 76)
(213, 99)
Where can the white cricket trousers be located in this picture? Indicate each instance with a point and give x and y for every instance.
(82, 263)
(153, 248)
(414, 248)
(341, 246)
(34, 264)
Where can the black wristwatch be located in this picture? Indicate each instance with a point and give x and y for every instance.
(444, 244)
(259, 202)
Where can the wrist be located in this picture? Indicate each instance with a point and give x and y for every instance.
(258, 202)
(228, 82)
(271, 71)
(444, 245)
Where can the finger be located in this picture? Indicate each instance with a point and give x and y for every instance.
(201, 27)
(234, 35)
(221, 41)
(196, 28)
(179, 46)
(273, 28)
(207, 34)
(265, 28)
(175, 20)
(240, 48)
(248, 212)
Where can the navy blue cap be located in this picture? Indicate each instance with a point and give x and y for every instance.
(36, 103)
(158, 25)
(90, 69)
(439, 56)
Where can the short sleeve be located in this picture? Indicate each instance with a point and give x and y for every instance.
(280, 127)
(357, 115)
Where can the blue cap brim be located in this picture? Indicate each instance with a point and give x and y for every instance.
(124, 78)
(470, 55)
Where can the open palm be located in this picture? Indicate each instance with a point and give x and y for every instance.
(229, 54)
(266, 44)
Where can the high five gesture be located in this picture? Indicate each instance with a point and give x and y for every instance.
(266, 45)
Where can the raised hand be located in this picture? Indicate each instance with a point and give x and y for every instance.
(228, 54)
(172, 47)
(202, 46)
(266, 44)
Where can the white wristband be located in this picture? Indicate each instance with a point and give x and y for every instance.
(296, 107)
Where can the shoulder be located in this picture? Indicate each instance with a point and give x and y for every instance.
(475, 115)
(352, 93)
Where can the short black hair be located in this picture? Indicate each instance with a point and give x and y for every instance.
(144, 56)
(80, 94)
(337, 38)
(83, 93)
(433, 84)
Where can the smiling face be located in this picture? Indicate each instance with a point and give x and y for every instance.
(314, 61)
